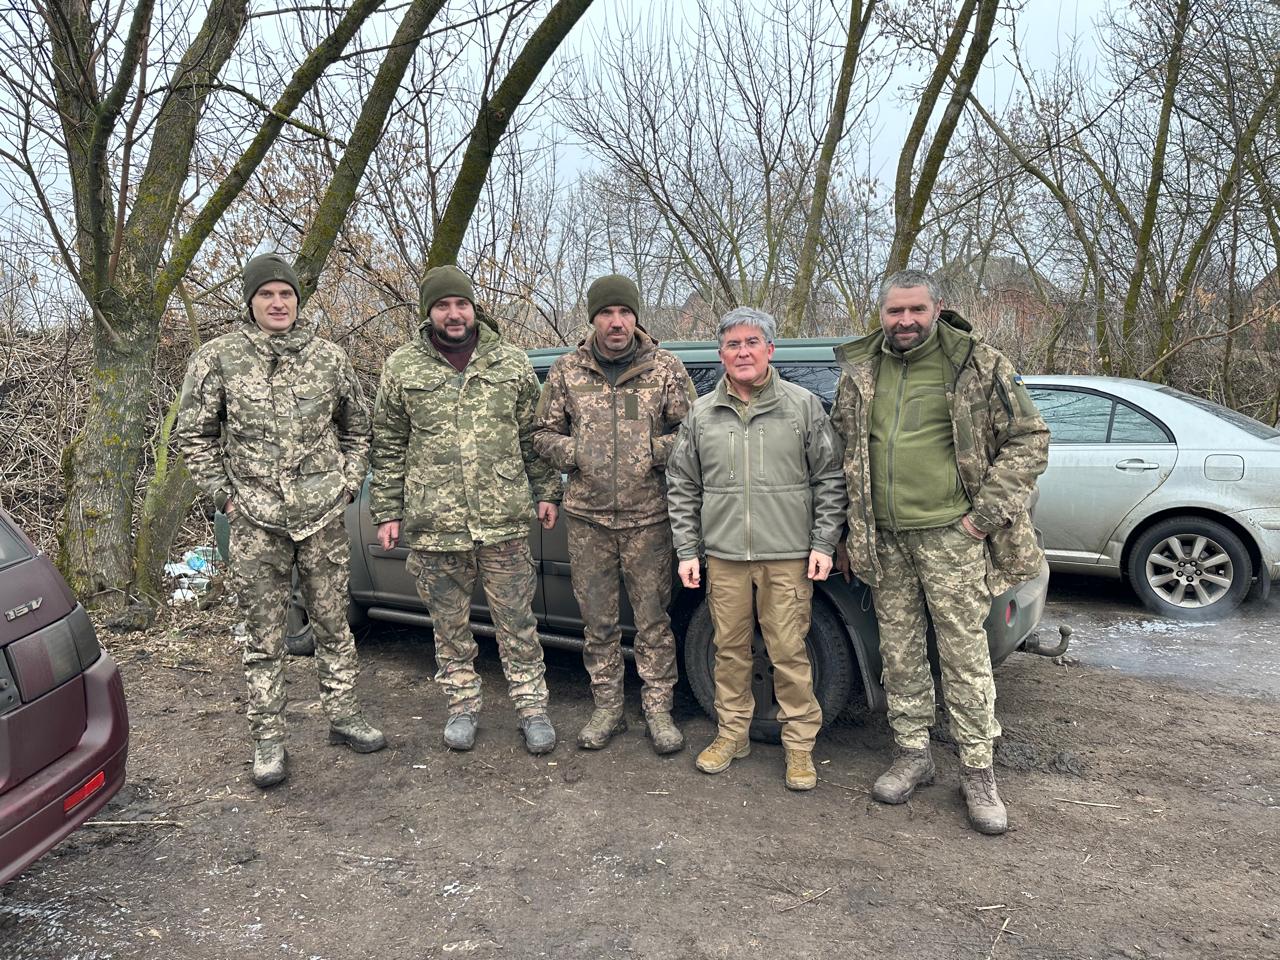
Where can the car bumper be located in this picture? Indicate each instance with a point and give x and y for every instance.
(1015, 614)
(32, 815)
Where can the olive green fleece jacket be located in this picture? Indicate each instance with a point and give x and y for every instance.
(915, 481)
(760, 483)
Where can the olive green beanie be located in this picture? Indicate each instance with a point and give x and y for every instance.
(441, 282)
(614, 290)
(265, 268)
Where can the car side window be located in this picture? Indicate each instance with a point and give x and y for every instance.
(1072, 416)
(11, 547)
(817, 378)
(704, 377)
(1132, 426)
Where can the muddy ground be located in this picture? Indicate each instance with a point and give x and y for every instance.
(1145, 822)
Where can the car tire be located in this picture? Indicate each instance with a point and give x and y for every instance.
(299, 639)
(834, 669)
(1167, 572)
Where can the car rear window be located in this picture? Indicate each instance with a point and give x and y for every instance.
(12, 548)
(1249, 425)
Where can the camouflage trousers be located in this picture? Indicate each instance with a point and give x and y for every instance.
(939, 572)
(262, 575)
(641, 556)
(446, 581)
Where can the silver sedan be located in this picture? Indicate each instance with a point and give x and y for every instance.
(1176, 494)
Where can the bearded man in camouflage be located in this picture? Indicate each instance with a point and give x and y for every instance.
(942, 450)
(455, 477)
(273, 426)
(608, 417)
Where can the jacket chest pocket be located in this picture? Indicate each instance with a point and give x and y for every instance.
(251, 410)
(430, 406)
(777, 450)
(314, 404)
(493, 392)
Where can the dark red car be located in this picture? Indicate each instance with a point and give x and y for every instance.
(64, 731)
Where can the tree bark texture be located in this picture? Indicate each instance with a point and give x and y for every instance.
(491, 124)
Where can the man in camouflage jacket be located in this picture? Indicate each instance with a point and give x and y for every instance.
(455, 477)
(607, 418)
(273, 427)
(942, 450)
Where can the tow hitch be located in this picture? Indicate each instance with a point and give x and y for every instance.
(1034, 645)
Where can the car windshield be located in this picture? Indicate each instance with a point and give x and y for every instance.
(1249, 425)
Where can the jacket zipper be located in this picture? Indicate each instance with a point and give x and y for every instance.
(893, 444)
(746, 477)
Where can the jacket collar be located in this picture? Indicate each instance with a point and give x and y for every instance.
(765, 399)
(487, 341)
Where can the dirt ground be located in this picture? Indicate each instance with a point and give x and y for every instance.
(1145, 818)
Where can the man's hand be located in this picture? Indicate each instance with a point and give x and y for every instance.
(971, 529)
(690, 573)
(388, 534)
(842, 562)
(228, 508)
(819, 565)
(547, 513)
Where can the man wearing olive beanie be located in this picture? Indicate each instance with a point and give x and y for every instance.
(295, 453)
(455, 479)
(608, 417)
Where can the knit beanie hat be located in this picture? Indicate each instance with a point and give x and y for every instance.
(265, 268)
(441, 282)
(614, 290)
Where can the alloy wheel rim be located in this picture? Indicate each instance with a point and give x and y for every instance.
(1189, 570)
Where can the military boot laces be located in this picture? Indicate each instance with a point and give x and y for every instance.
(986, 811)
(357, 733)
(801, 773)
(460, 731)
(270, 763)
(599, 730)
(720, 753)
(912, 767)
(664, 733)
(539, 734)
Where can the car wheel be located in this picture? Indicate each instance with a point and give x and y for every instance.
(834, 669)
(1190, 568)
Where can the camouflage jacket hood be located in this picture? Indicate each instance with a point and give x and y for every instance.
(296, 427)
(453, 456)
(613, 439)
(1001, 447)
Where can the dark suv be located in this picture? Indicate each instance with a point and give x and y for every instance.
(64, 731)
(844, 642)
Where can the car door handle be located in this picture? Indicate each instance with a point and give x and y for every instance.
(1136, 464)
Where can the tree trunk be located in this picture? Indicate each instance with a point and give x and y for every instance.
(800, 292)
(491, 125)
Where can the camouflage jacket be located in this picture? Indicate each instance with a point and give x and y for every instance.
(613, 440)
(453, 456)
(1001, 446)
(763, 484)
(277, 423)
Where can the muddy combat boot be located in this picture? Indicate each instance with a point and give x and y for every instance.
(801, 774)
(599, 730)
(720, 753)
(460, 731)
(357, 733)
(664, 733)
(539, 734)
(986, 811)
(912, 767)
(270, 762)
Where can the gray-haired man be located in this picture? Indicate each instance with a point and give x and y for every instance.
(754, 482)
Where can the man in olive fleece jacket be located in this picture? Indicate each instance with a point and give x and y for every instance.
(754, 483)
(942, 450)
